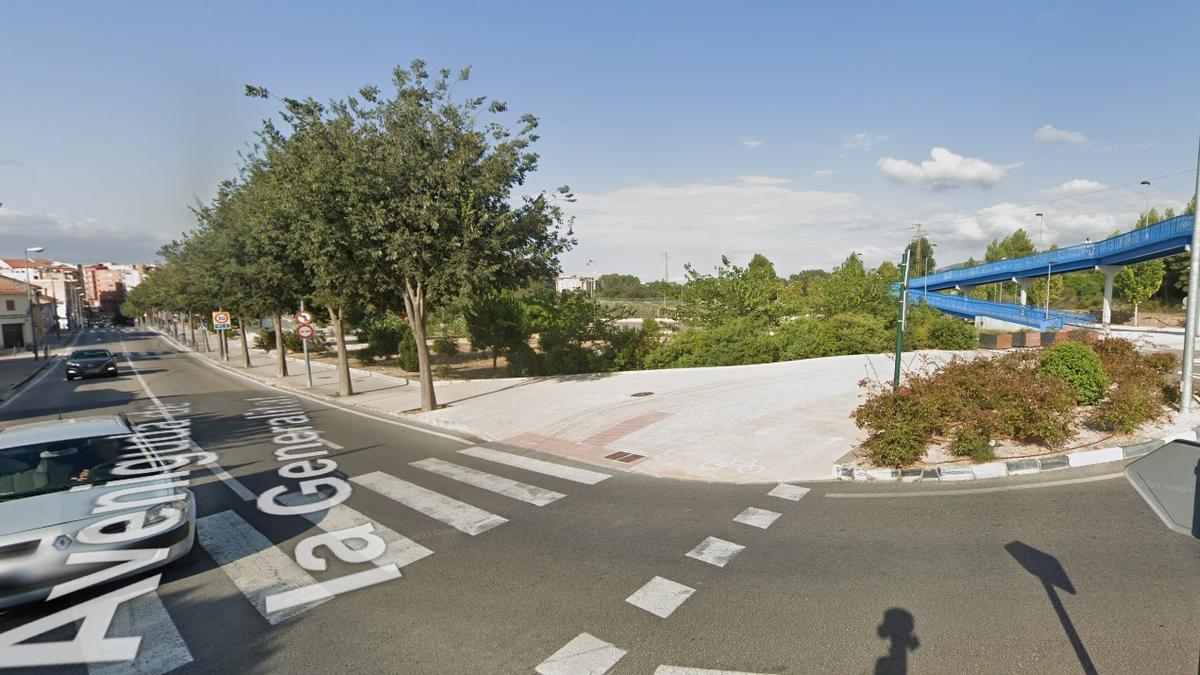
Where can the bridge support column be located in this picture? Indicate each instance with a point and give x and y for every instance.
(964, 289)
(1109, 272)
(1024, 284)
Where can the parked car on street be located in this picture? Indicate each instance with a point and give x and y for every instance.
(53, 476)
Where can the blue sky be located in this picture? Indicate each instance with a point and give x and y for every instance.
(695, 128)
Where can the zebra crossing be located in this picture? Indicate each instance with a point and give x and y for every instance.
(280, 589)
(144, 356)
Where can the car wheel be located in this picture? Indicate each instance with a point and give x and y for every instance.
(69, 378)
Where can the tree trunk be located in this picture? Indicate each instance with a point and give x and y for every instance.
(192, 327)
(277, 321)
(495, 357)
(414, 304)
(204, 333)
(245, 347)
(1135, 314)
(335, 316)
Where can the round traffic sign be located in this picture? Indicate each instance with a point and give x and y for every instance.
(305, 331)
(304, 316)
(220, 317)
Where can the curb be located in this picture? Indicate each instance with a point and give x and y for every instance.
(427, 426)
(1012, 467)
(15, 386)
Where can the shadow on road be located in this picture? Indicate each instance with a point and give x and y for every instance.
(1052, 575)
(898, 627)
(1196, 507)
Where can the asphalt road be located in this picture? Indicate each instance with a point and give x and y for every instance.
(1067, 572)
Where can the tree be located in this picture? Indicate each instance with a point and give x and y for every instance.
(497, 324)
(626, 286)
(732, 292)
(435, 200)
(920, 255)
(1137, 283)
(851, 289)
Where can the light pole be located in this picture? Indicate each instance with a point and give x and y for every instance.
(29, 297)
(1189, 335)
(1042, 228)
(1147, 184)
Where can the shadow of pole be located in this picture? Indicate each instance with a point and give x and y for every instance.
(898, 627)
(1196, 505)
(1053, 577)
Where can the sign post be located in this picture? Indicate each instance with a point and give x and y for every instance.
(222, 323)
(903, 317)
(304, 320)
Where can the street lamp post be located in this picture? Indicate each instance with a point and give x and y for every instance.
(1042, 228)
(29, 297)
(1147, 184)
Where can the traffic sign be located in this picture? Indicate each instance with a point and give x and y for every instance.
(304, 316)
(305, 331)
(221, 321)
(1166, 479)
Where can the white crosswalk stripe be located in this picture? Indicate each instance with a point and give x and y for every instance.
(162, 648)
(660, 596)
(563, 471)
(400, 551)
(680, 670)
(760, 518)
(788, 492)
(530, 494)
(585, 654)
(459, 515)
(257, 567)
(715, 551)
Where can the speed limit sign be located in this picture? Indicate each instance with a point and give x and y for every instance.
(304, 316)
(305, 331)
(221, 321)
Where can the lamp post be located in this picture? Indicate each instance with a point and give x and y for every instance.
(1147, 184)
(29, 297)
(1042, 228)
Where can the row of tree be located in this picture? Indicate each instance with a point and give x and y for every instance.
(375, 202)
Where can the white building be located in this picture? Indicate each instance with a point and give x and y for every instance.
(57, 281)
(574, 282)
(14, 314)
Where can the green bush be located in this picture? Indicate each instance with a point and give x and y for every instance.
(406, 355)
(265, 340)
(364, 356)
(1141, 393)
(1080, 367)
(385, 333)
(445, 346)
(736, 342)
(948, 332)
(974, 442)
(846, 333)
(858, 333)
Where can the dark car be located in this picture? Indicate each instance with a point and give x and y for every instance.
(91, 363)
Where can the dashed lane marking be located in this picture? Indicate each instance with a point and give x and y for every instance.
(788, 491)
(971, 491)
(660, 596)
(400, 551)
(680, 670)
(459, 515)
(571, 473)
(257, 567)
(760, 518)
(585, 654)
(715, 551)
(530, 494)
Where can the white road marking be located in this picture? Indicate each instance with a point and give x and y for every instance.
(331, 445)
(39, 378)
(162, 648)
(256, 566)
(563, 471)
(789, 492)
(585, 654)
(530, 494)
(972, 491)
(715, 551)
(760, 518)
(215, 467)
(682, 670)
(400, 551)
(660, 596)
(459, 515)
(305, 595)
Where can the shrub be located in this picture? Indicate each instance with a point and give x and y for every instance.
(901, 428)
(265, 340)
(1163, 362)
(1127, 407)
(364, 356)
(406, 355)
(736, 342)
(445, 346)
(973, 442)
(857, 333)
(1141, 391)
(523, 362)
(385, 333)
(1080, 367)
(805, 338)
(948, 332)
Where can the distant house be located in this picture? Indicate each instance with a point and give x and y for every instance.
(15, 327)
(574, 282)
(58, 281)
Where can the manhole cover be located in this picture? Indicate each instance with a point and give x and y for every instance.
(642, 393)
(624, 457)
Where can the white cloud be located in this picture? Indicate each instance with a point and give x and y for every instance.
(1074, 187)
(944, 171)
(76, 239)
(863, 141)
(823, 173)
(751, 142)
(1048, 133)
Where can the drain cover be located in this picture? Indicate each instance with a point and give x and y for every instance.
(624, 457)
(642, 393)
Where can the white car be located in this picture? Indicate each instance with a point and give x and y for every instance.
(53, 477)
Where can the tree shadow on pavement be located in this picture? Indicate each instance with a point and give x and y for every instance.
(1196, 506)
(897, 626)
(1053, 577)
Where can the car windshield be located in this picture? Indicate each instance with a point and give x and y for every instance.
(91, 354)
(49, 467)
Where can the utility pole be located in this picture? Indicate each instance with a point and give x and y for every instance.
(1189, 337)
(904, 264)
(666, 276)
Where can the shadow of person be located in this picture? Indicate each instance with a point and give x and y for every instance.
(898, 627)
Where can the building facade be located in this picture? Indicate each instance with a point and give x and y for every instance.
(58, 282)
(16, 328)
(574, 282)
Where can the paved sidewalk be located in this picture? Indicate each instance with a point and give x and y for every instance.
(18, 368)
(768, 422)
